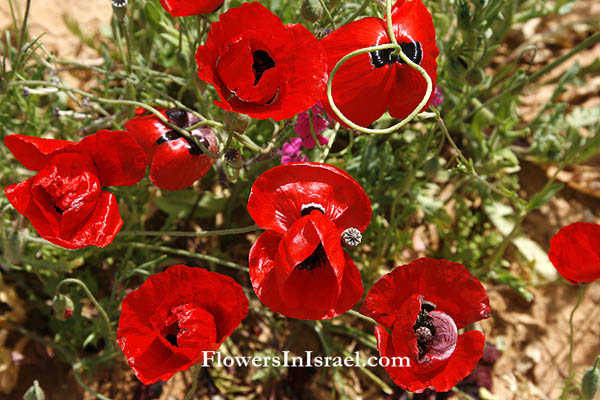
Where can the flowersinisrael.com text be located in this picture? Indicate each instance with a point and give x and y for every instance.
(309, 360)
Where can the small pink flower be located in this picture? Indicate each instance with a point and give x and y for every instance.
(438, 97)
(319, 123)
(292, 151)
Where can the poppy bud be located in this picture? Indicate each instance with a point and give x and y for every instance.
(119, 9)
(63, 307)
(236, 122)
(475, 76)
(312, 10)
(590, 383)
(35, 392)
(431, 167)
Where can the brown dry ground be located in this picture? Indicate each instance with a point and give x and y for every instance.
(533, 336)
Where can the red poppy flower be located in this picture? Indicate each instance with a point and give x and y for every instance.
(169, 321)
(182, 8)
(298, 267)
(175, 161)
(575, 252)
(261, 67)
(369, 84)
(65, 202)
(424, 304)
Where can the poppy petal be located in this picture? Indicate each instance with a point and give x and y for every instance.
(119, 158)
(278, 195)
(174, 167)
(34, 152)
(184, 8)
(437, 281)
(146, 130)
(575, 252)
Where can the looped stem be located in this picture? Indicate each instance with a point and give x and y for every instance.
(393, 45)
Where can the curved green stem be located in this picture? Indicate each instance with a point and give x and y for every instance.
(363, 317)
(329, 17)
(397, 50)
(92, 299)
(400, 124)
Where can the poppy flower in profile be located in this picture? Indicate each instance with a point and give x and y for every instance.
(175, 161)
(64, 201)
(175, 316)
(183, 8)
(261, 67)
(575, 252)
(421, 307)
(298, 267)
(367, 85)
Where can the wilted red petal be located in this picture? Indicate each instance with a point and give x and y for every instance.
(575, 252)
(118, 157)
(191, 307)
(469, 350)
(182, 8)
(277, 196)
(438, 281)
(65, 204)
(34, 152)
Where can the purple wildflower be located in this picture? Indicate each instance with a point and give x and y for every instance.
(438, 97)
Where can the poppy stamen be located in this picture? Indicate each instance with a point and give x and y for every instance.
(180, 118)
(309, 207)
(424, 331)
(262, 62)
(413, 50)
(315, 260)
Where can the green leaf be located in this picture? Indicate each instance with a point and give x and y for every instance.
(542, 197)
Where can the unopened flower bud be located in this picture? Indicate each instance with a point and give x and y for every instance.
(590, 383)
(63, 307)
(236, 122)
(312, 10)
(431, 167)
(35, 392)
(475, 76)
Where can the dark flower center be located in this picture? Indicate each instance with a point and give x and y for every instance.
(58, 209)
(424, 329)
(262, 62)
(413, 51)
(315, 260)
(179, 117)
(308, 208)
(171, 334)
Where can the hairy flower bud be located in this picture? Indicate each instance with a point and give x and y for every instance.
(236, 122)
(311, 10)
(590, 383)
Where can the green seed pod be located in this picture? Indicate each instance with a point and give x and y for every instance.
(475, 76)
(312, 10)
(590, 383)
(236, 122)
(35, 392)
(63, 307)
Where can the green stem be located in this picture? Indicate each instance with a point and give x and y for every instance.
(329, 17)
(84, 385)
(571, 346)
(221, 232)
(195, 373)
(363, 317)
(186, 253)
(92, 299)
(312, 130)
(400, 124)
(148, 108)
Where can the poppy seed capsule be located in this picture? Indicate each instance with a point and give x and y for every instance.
(119, 9)
(35, 392)
(311, 10)
(351, 237)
